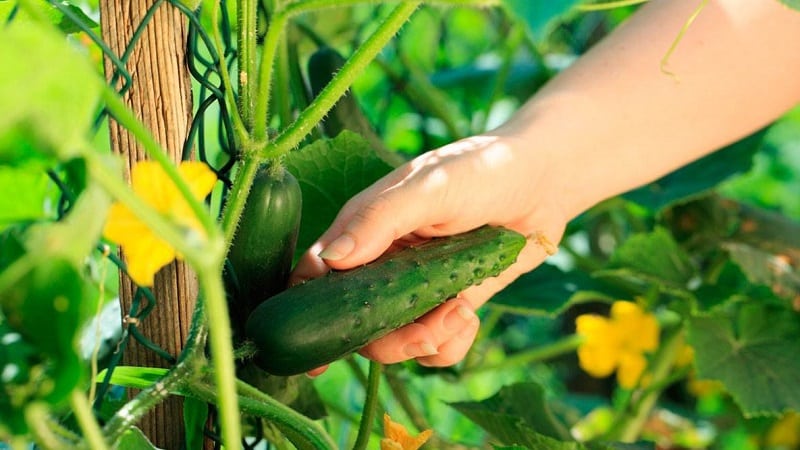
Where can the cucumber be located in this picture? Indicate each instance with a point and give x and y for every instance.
(324, 319)
(263, 247)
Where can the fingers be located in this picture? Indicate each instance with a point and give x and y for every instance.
(441, 337)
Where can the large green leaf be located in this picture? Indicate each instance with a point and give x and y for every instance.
(48, 94)
(538, 16)
(330, 172)
(514, 412)
(700, 176)
(548, 290)
(753, 351)
(652, 257)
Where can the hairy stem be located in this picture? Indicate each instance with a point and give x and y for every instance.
(342, 81)
(247, 14)
(222, 350)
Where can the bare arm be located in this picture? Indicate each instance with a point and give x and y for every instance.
(618, 121)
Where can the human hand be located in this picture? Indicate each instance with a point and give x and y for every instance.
(476, 181)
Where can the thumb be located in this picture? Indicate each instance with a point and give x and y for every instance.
(368, 225)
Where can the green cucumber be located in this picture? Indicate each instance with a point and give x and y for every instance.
(324, 319)
(263, 247)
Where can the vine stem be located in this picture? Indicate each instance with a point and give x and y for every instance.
(83, 414)
(370, 406)
(246, 14)
(240, 130)
(254, 402)
(341, 82)
(174, 381)
(237, 197)
(222, 352)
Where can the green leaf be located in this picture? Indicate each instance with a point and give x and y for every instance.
(538, 16)
(132, 376)
(753, 352)
(653, 257)
(729, 284)
(49, 93)
(330, 172)
(700, 176)
(134, 439)
(549, 291)
(27, 193)
(513, 412)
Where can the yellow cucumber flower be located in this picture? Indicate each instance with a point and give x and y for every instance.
(397, 437)
(617, 343)
(145, 251)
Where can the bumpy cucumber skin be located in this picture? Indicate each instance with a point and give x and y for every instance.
(322, 320)
(264, 244)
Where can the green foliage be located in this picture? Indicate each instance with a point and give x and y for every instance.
(538, 17)
(330, 172)
(515, 411)
(31, 123)
(752, 350)
(792, 3)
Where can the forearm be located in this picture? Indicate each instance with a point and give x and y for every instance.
(615, 120)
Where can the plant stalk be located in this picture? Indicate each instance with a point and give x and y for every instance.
(370, 406)
(341, 82)
(85, 418)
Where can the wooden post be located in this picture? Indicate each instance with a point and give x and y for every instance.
(160, 96)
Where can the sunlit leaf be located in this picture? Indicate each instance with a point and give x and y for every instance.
(133, 377)
(48, 94)
(330, 172)
(753, 351)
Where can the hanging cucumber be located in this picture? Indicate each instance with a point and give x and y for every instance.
(346, 114)
(324, 319)
(263, 247)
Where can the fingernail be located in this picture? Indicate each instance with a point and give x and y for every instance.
(338, 249)
(420, 349)
(458, 317)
